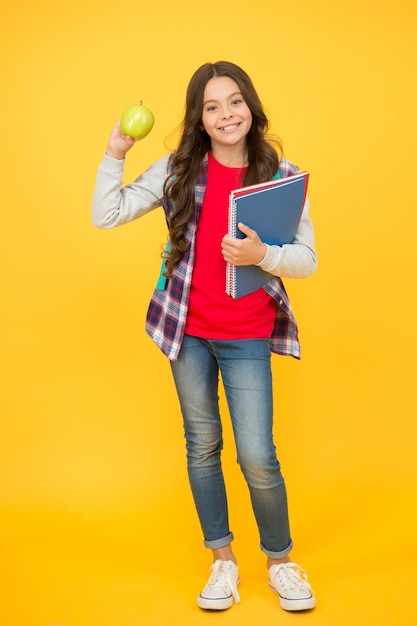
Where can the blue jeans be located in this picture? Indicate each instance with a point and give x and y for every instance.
(245, 367)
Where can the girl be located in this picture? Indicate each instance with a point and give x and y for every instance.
(204, 332)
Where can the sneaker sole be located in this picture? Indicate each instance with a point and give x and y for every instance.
(212, 604)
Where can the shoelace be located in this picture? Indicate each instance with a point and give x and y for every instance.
(221, 577)
(291, 576)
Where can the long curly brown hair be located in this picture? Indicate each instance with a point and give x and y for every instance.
(263, 159)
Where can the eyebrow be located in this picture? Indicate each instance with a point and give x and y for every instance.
(236, 93)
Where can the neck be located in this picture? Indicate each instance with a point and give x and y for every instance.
(231, 157)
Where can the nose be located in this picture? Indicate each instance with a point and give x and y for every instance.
(226, 113)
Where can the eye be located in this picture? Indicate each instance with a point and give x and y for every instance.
(211, 107)
(237, 101)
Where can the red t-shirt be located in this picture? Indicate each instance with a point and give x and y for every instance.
(213, 314)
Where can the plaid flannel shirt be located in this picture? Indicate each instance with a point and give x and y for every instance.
(167, 312)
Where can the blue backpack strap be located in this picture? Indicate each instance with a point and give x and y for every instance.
(162, 280)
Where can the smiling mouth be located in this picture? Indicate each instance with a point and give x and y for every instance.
(229, 128)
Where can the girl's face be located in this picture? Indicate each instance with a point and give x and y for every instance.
(226, 117)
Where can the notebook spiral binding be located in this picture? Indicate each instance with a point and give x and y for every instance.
(230, 269)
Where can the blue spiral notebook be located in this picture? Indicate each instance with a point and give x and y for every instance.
(274, 210)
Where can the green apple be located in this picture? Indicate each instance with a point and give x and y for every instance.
(136, 121)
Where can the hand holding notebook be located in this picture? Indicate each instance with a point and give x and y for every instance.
(273, 209)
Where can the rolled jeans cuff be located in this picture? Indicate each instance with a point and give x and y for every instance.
(219, 543)
(277, 555)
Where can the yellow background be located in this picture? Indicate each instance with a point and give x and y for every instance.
(97, 523)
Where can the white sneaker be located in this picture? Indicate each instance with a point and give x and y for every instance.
(221, 588)
(289, 581)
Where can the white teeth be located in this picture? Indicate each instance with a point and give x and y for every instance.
(231, 127)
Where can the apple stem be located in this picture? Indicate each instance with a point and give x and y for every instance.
(140, 102)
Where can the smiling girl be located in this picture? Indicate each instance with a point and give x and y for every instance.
(204, 332)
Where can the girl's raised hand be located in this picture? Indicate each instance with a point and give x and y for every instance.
(119, 144)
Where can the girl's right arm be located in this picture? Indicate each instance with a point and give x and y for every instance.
(114, 204)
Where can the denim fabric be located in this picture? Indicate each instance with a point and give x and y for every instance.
(245, 368)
